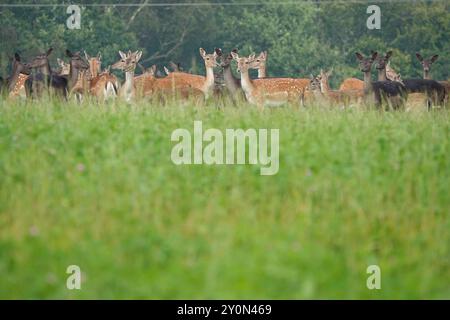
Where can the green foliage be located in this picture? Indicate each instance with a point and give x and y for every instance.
(301, 38)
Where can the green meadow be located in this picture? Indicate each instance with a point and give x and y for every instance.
(94, 186)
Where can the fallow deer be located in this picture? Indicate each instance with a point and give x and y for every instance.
(20, 73)
(394, 93)
(64, 68)
(127, 64)
(426, 66)
(102, 85)
(232, 84)
(78, 78)
(202, 83)
(351, 84)
(434, 91)
(43, 79)
(261, 60)
(268, 91)
(340, 97)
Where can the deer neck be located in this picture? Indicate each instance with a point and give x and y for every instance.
(13, 80)
(209, 80)
(367, 81)
(45, 69)
(262, 72)
(73, 76)
(247, 84)
(325, 88)
(382, 75)
(128, 86)
(230, 81)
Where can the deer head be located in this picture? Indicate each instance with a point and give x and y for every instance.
(382, 61)
(95, 63)
(76, 61)
(128, 61)
(244, 63)
(225, 60)
(19, 67)
(365, 64)
(41, 60)
(210, 59)
(260, 61)
(426, 63)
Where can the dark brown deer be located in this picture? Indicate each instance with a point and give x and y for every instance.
(393, 93)
(43, 79)
(232, 84)
(426, 66)
(434, 91)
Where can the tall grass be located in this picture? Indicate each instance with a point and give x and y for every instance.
(94, 186)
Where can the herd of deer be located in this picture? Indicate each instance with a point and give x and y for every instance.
(82, 76)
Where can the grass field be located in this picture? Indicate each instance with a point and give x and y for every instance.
(95, 187)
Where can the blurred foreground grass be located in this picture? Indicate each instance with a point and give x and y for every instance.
(95, 187)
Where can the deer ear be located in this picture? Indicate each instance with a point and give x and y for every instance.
(434, 58)
(359, 56)
(138, 55)
(218, 51)
(202, 52)
(122, 55)
(86, 55)
(235, 50)
(69, 53)
(234, 55)
(374, 55)
(153, 69)
(49, 51)
(17, 56)
(388, 54)
(99, 56)
(252, 56)
(166, 70)
(419, 57)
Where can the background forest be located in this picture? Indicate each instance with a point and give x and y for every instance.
(300, 36)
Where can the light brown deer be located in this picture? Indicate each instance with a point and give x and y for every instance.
(261, 61)
(102, 85)
(268, 91)
(340, 97)
(127, 64)
(186, 80)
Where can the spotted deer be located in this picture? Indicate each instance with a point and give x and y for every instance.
(268, 91)
(20, 73)
(205, 84)
(379, 92)
(127, 64)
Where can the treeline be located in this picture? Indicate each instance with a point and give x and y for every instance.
(301, 38)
